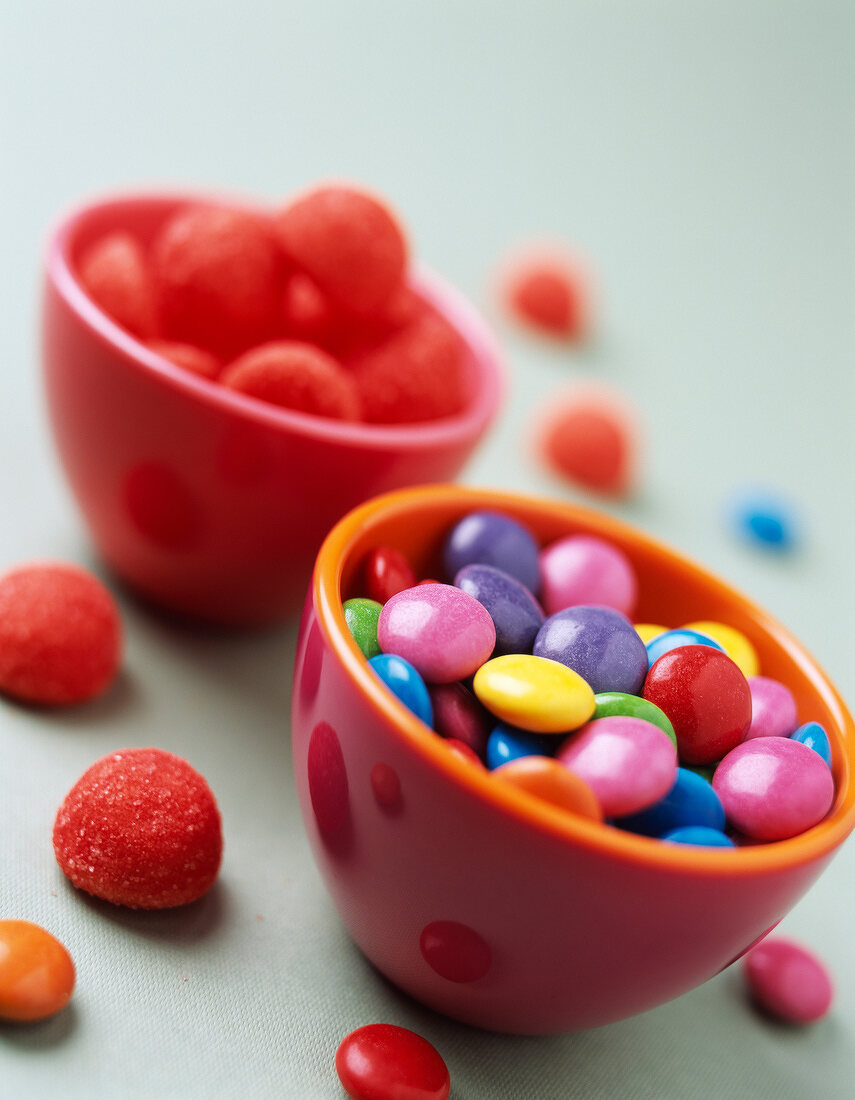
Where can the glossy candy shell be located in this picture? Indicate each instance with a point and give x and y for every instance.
(385, 1062)
(560, 903)
(36, 972)
(788, 981)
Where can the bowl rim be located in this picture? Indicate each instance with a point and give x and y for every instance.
(818, 841)
(487, 358)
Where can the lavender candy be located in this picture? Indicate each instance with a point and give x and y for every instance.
(597, 642)
(516, 614)
(490, 538)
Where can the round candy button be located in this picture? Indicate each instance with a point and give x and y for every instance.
(403, 681)
(551, 782)
(385, 1062)
(36, 972)
(598, 643)
(534, 693)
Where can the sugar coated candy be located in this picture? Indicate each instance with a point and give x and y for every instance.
(140, 828)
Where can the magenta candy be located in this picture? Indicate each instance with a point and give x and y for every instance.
(458, 716)
(773, 709)
(628, 763)
(443, 632)
(582, 569)
(772, 788)
(788, 981)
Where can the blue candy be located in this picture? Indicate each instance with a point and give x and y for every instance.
(814, 736)
(403, 681)
(690, 802)
(701, 836)
(765, 519)
(508, 743)
(673, 639)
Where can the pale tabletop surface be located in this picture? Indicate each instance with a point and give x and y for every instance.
(701, 156)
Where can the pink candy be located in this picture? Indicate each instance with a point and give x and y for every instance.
(628, 763)
(772, 788)
(445, 633)
(787, 981)
(582, 569)
(773, 709)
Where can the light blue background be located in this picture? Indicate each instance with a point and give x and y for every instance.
(701, 156)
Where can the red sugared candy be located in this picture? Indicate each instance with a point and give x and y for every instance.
(546, 291)
(220, 274)
(416, 374)
(385, 1062)
(140, 828)
(348, 242)
(296, 376)
(788, 981)
(116, 275)
(306, 312)
(589, 438)
(188, 357)
(706, 698)
(60, 634)
(387, 572)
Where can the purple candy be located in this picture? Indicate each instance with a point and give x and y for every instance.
(489, 538)
(597, 642)
(773, 709)
(516, 614)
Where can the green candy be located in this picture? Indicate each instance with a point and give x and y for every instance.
(611, 703)
(362, 616)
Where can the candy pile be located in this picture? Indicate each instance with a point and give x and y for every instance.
(308, 308)
(669, 733)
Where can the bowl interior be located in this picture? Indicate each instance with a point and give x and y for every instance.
(142, 215)
(672, 590)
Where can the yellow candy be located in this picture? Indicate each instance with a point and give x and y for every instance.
(648, 631)
(735, 644)
(534, 693)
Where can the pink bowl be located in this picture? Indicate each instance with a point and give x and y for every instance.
(209, 502)
(481, 901)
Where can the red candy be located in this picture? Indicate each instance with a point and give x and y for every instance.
(220, 275)
(705, 696)
(140, 828)
(416, 374)
(188, 357)
(458, 715)
(464, 751)
(589, 439)
(545, 291)
(387, 572)
(306, 313)
(60, 634)
(788, 981)
(385, 1062)
(295, 376)
(116, 276)
(348, 242)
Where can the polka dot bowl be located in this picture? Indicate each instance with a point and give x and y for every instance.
(480, 901)
(207, 501)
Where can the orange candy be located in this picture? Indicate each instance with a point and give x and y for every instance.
(36, 972)
(550, 781)
(545, 290)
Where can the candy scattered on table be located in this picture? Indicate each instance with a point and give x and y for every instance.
(589, 437)
(140, 828)
(308, 309)
(36, 973)
(672, 733)
(788, 981)
(386, 1062)
(60, 634)
(765, 519)
(545, 290)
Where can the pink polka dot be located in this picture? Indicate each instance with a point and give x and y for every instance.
(328, 787)
(387, 788)
(455, 951)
